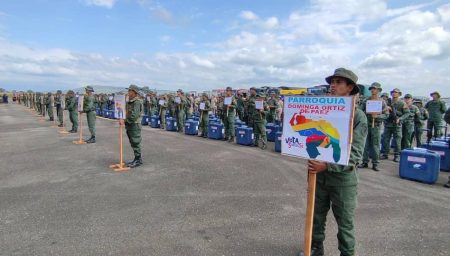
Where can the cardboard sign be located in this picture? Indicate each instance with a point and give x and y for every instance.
(162, 102)
(318, 128)
(177, 100)
(227, 100)
(80, 103)
(374, 106)
(259, 104)
(119, 106)
(202, 105)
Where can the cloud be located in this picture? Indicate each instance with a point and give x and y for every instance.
(165, 38)
(163, 15)
(102, 3)
(248, 15)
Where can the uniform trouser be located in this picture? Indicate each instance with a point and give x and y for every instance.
(188, 114)
(271, 116)
(259, 128)
(134, 136)
(50, 112)
(407, 133)
(162, 118)
(418, 134)
(181, 116)
(240, 113)
(343, 201)
(59, 113)
(204, 123)
(91, 122)
(436, 126)
(389, 132)
(372, 144)
(228, 123)
(73, 116)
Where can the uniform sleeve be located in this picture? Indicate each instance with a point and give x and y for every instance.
(405, 113)
(358, 144)
(136, 112)
(443, 109)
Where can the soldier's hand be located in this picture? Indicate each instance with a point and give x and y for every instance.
(398, 121)
(316, 166)
(121, 122)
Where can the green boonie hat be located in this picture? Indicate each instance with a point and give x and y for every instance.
(70, 92)
(396, 90)
(385, 94)
(179, 90)
(204, 95)
(375, 85)
(89, 88)
(437, 93)
(347, 74)
(418, 101)
(408, 95)
(228, 88)
(253, 88)
(59, 91)
(134, 88)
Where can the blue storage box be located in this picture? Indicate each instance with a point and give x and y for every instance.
(443, 150)
(154, 122)
(171, 124)
(215, 131)
(191, 127)
(278, 136)
(244, 136)
(420, 165)
(271, 130)
(144, 120)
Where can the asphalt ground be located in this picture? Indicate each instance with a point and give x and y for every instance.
(192, 196)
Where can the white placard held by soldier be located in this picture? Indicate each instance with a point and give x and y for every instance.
(162, 102)
(374, 106)
(259, 104)
(202, 105)
(177, 100)
(80, 103)
(119, 106)
(227, 101)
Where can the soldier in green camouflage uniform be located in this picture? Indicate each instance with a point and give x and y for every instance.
(59, 110)
(374, 132)
(49, 102)
(153, 104)
(135, 108)
(147, 104)
(229, 114)
(419, 121)
(180, 104)
(337, 185)
(436, 108)
(251, 108)
(259, 121)
(273, 105)
(72, 107)
(204, 117)
(398, 111)
(89, 109)
(171, 105)
(240, 106)
(408, 123)
(163, 110)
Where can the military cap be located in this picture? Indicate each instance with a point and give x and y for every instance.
(70, 92)
(228, 88)
(347, 74)
(89, 88)
(396, 90)
(134, 88)
(179, 90)
(272, 93)
(418, 101)
(204, 95)
(384, 94)
(59, 91)
(49, 93)
(253, 88)
(408, 95)
(437, 93)
(376, 86)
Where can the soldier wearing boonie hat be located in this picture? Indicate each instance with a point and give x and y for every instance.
(337, 184)
(59, 110)
(229, 114)
(89, 109)
(419, 121)
(408, 123)
(436, 108)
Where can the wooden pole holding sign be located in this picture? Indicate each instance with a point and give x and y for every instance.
(80, 140)
(119, 113)
(309, 213)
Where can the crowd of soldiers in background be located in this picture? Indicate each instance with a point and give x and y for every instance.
(402, 120)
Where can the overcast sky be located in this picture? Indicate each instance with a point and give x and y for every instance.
(200, 45)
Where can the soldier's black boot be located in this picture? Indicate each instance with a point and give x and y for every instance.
(375, 167)
(316, 250)
(73, 131)
(137, 162)
(363, 165)
(383, 157)
(396, 159)
(231, 139)
(91, 140)
(448, 183)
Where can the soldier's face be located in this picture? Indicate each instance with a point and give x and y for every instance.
(131, 94)
(253, 92)
(228, 93)
(434, 96)
(374, 91)
(339, 87)
(395, 95)
(408, 100)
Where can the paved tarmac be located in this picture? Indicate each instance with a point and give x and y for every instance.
(193, 196)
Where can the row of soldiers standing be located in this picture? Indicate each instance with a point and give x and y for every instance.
(403, 121)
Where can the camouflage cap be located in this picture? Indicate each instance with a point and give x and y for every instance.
(396, 90)
(375, 85)
(179, 90)
(204, 95)
(437, 93)
(253, 88)
(70, 92)
(89, 88)
(408, 95)
(347, 74)
(418, 101)
(228, 88)
(134, 88)
(59, 91)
